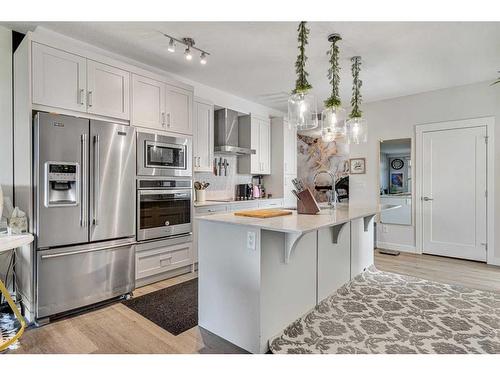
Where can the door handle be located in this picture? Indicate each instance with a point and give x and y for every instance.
(427, 199)
(89, 99)
(85, 251)
(168, 120)
(163, 119)
(82, 94)
(83, 199)
(96, 179)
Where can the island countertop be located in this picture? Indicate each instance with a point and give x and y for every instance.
(299, 223)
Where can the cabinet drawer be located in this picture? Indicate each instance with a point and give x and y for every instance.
(243, 206)
(156, 260)
(200, 211)
(274, 203)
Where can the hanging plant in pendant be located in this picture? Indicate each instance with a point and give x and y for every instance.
(356, 125)
(333, 116)
(302, 111)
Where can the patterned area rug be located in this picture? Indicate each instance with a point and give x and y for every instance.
(383, 313)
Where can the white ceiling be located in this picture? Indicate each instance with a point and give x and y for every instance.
(255, 60)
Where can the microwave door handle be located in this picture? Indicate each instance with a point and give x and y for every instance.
(96, 179)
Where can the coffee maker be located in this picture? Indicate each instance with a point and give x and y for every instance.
(244, 192)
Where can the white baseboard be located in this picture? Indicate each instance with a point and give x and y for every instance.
(494, 261)
(398, 247)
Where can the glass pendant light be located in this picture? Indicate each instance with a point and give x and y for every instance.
(302, 109)
(357, 126)
(333, 116)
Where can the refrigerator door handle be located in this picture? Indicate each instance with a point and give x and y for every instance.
(96, 180)
(92, 250)
(83, 179)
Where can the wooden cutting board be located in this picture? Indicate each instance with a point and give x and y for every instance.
(263, 213)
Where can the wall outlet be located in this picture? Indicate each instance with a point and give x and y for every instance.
(251, 240)
(385, 229)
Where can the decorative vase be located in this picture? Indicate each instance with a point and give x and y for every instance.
(200, 196)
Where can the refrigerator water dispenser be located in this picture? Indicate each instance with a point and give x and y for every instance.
(62, 184)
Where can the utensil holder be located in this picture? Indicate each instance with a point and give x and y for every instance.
(306, 204)
(200, 196)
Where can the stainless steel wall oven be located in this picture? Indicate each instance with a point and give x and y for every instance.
(163, 208)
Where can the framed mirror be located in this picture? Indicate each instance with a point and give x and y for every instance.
(396, 180)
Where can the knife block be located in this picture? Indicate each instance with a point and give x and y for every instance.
(306, 204)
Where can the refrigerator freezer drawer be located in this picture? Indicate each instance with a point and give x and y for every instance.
(70, 278)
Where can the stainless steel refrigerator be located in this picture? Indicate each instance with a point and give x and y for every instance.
(84, 211)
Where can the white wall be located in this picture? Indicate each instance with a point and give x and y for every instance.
(396, 118)
(6, 110)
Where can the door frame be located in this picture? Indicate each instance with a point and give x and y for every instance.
(489, 122)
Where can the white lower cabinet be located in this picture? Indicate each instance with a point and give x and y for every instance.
(362, 245)
(154, 260)
(334, 257)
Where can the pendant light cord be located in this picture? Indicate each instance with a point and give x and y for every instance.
(334, 72)
(356, 88)
(302, 85)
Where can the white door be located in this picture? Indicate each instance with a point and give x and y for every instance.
(179, 109)
(108, 90)
(203, 137)
(59, 78)
(148, 103)
(454, 193)
(265, 146)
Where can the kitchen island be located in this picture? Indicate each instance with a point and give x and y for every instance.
(256, 276)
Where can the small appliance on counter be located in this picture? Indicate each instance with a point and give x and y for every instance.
(259, 190)
(244, 192)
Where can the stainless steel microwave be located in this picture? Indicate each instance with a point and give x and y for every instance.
(162, 155)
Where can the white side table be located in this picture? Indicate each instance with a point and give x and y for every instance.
(7, 243)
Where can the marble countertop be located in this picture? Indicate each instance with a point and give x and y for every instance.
(296, 223)
(9, 242)
(230, 201)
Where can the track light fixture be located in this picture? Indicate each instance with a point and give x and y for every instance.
(189, 43)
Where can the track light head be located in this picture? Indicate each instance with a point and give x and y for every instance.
(188, 54)
(171, 45)
(203, 58)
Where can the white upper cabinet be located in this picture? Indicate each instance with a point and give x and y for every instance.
(289, 149)
(72, 82)
(203, 136)
(265, 146)
(179, 109)
(148, 103)
(255, 133)
(108, 90)
(59, 78)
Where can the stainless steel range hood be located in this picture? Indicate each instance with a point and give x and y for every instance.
(226, 133)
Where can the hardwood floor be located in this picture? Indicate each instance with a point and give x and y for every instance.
(117, 329)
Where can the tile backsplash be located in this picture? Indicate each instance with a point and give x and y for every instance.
(223, 187)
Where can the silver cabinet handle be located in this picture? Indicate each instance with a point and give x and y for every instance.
(84, 251)
(199, 162)
(96, 179)
(81, 96)
(83, 178)
(163, 119)
(89, 99)
(168, 120)
(427, 199)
